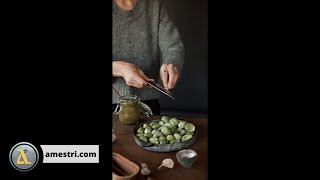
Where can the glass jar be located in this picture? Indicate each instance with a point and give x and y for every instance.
(129, 109)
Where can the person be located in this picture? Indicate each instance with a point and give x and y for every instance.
(146, 46)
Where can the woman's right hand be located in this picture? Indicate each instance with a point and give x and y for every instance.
(131, 74)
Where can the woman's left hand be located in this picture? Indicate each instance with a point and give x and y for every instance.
(169, 75)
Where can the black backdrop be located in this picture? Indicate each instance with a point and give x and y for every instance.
(191, 18)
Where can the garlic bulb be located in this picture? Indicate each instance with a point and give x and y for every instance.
(167, 163)
(144, 169)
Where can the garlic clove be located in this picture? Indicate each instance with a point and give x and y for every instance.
(144, 169)
(167, 163)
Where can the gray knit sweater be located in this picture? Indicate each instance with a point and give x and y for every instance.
(147, 38)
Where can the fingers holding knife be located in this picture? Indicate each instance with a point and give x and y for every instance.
(169, 75)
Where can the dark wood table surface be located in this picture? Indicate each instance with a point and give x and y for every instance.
(126, 146)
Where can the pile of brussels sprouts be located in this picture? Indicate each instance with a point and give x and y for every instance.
(166, 131)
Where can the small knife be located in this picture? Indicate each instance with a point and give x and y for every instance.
(159, 88)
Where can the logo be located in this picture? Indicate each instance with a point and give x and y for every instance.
(24, 156)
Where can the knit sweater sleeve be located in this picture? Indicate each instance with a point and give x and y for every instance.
(170, 43)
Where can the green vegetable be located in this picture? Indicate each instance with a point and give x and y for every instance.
(186, 137)
(145, 126)
(158, 134)
(174, 141)
(140, 130)
(173, 129)
(154, 131)
(148, 130)
(163, 141)
(170, 138)
(182, 124)
(179, 129)
(148, 135)
(190, 133)
(189, 127)
(174, 121)
(165, 119)
(144, 139)
(177, 136)
(155, 142)
(156, 126)
(168, 125)
(153, 139)
(183, 132)
(165, 130)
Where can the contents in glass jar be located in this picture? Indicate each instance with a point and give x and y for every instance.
(129, 110)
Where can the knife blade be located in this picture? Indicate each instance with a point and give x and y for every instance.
(159, 88)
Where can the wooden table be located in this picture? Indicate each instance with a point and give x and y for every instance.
(126, 146)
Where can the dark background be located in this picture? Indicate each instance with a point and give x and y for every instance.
(54, 84)
(191, 92)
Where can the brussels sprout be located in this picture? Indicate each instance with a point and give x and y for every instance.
(164, 141)
(158, 134)
(155, 142)
(152, 123)
(179, 129)
(183, 132)
(169, 125)
(145, 125)
(186, 137)
(140, 130)
(182, 124)
(144, 139)
(162, 137)
(177, 136)
(165, 130)
(165, 119)
(153, 139)
(174, 141)
(190, 133)
(156, 126)
(189, 127)
(174, 121)
(154, 131)
(170, 137)
(148, 130)
(148, 135)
